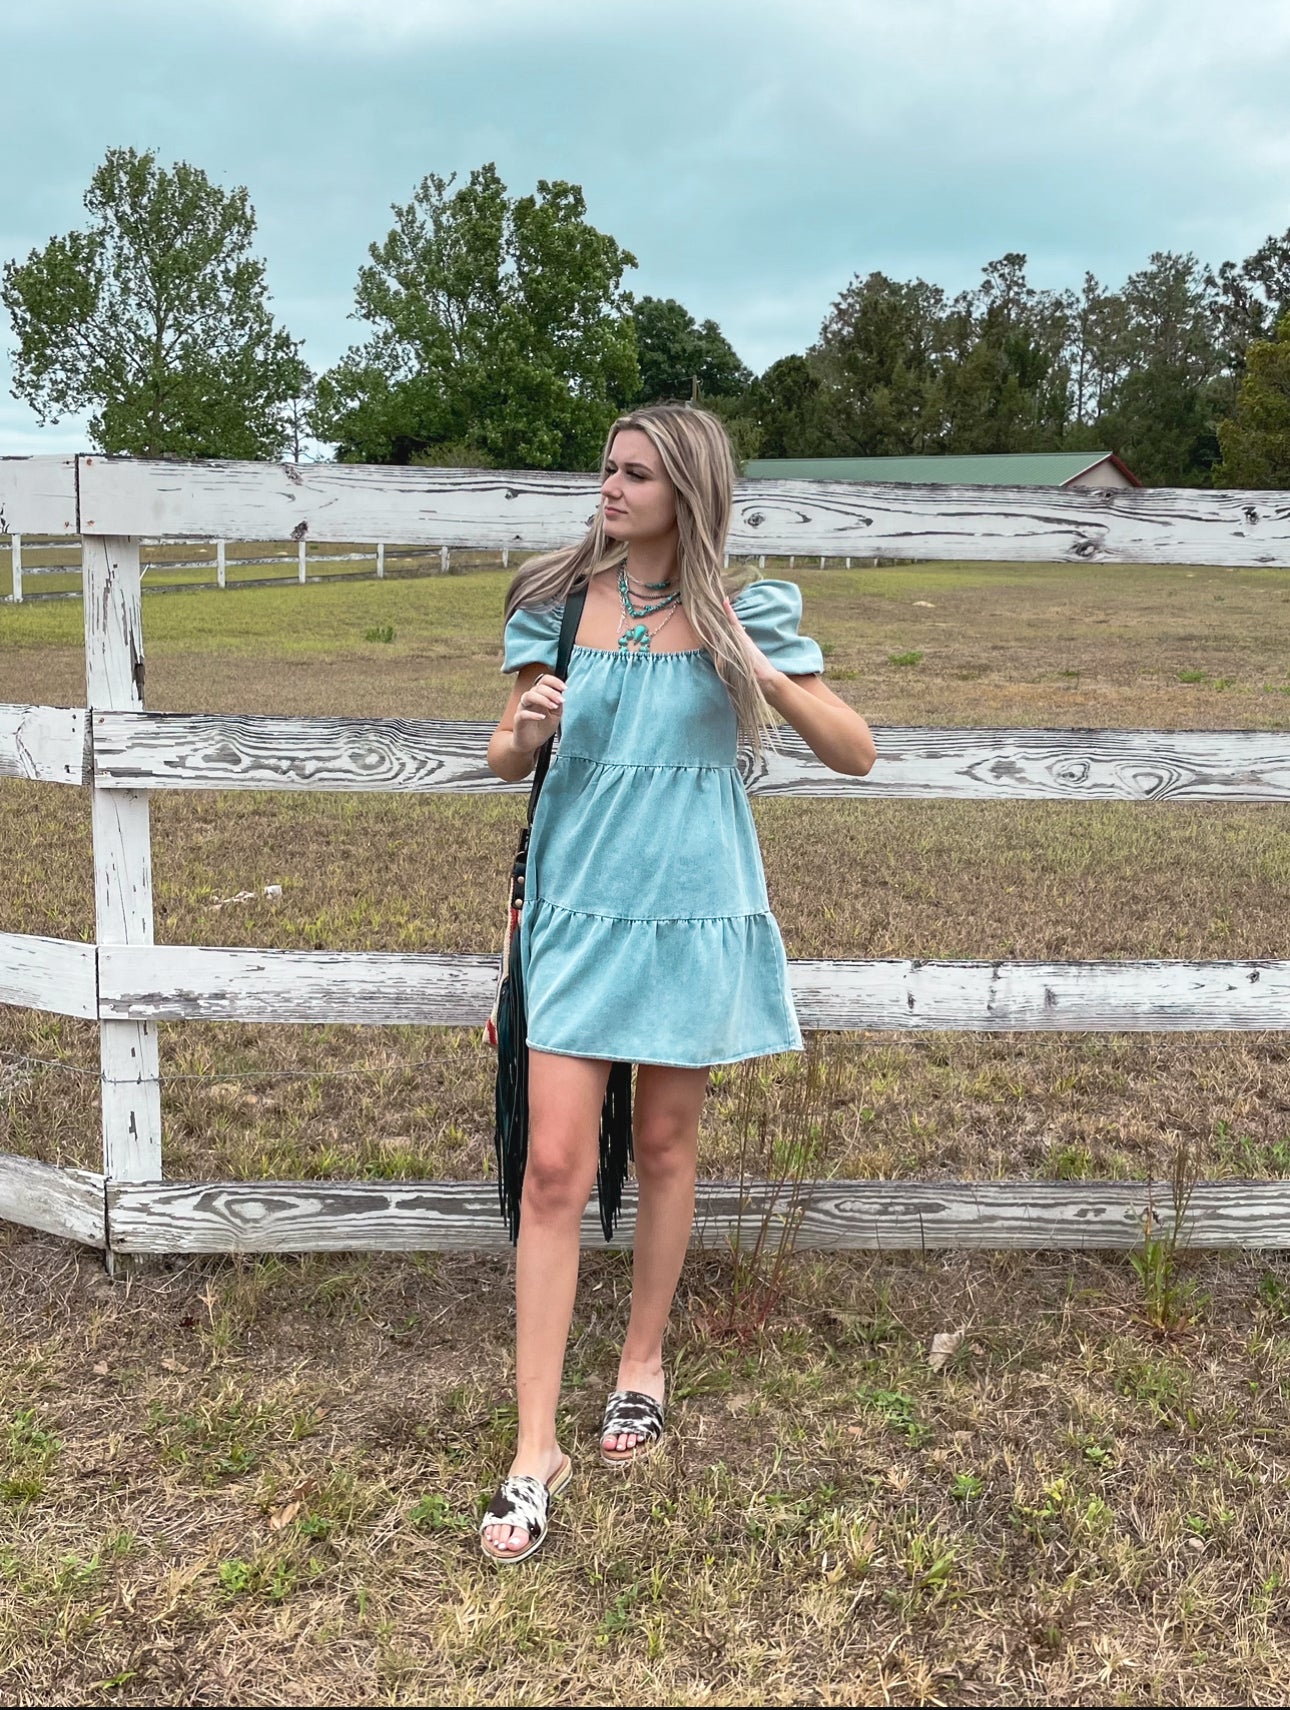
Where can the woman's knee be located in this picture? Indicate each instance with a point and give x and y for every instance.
(665, 1149)
(557, 1178)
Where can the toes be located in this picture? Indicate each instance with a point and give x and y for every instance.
(507, 1537)
(620, 1441)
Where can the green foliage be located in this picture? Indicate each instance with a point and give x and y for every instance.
(880, 354)
(897, 1410)
(1251, 297)
(1168, 389)
(382, 632)
(499, 330)
(1256, 438)
(901, 369)
(739, 418)
(434, 1513)
(680, 357)
(789, 401)
(156, 320)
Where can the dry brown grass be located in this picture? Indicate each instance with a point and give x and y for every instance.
(1078, 1510)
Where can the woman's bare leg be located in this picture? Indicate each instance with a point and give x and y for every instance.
(665, 1135)
(565, 1096)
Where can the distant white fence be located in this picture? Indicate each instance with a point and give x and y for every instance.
(222, 564)
(121, 753)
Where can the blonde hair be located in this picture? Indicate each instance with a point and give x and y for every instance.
(696, 457)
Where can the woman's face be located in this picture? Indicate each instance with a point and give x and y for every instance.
(638, 499)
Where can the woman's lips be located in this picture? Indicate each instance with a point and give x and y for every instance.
(614, 511)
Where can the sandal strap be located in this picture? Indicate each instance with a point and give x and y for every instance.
(521, 1500)
(630, 1410)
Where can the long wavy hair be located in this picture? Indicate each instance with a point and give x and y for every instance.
(695, 453)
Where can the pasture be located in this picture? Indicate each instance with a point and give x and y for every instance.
(256, 1481)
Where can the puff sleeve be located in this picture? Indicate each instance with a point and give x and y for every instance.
(532, 637)
(770, 611)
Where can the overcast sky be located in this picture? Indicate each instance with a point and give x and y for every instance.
(753, 156)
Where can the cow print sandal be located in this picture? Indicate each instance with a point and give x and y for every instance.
(523, 1501)
(630, 1410)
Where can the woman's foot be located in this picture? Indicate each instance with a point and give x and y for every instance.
(645, 1377)
(543, 1465)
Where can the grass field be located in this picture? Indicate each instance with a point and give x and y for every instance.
(257, 1482)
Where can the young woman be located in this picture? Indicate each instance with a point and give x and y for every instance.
(647, 935)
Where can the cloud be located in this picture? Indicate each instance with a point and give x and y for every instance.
(754, 156)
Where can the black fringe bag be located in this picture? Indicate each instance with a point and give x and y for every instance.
(511, 1132)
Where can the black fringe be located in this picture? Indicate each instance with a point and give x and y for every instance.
(615, 1145)
(511, 1128)
(511, 1131)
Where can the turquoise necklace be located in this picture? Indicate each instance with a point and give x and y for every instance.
(637, 639)
(647, 610)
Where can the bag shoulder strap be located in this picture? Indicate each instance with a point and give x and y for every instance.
(564, 652)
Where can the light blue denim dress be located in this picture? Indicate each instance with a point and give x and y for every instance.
(647, 933)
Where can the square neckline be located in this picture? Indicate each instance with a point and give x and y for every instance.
(663, 652)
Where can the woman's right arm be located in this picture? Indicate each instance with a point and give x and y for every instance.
(532, 714)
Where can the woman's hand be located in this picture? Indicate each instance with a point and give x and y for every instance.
(767, 675)
(538, 714)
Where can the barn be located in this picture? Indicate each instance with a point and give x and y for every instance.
(1020, 469)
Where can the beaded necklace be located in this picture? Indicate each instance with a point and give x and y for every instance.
(637, 639)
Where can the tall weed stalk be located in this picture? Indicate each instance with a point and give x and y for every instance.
(1170, 1302)
(785, 1144)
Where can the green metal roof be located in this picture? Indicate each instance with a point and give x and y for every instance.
(1024, 469)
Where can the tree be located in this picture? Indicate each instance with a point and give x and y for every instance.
(1251, 297)
(675, 351)
(1007, 371)
(1161, 413)
(787, 400)
(156, 319)
(500, 333)
(879, 358)
(1099, 355)
(907, 372)
(1256, 437)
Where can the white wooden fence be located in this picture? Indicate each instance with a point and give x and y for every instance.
(221, 564)
(121, 753)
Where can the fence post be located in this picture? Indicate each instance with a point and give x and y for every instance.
(15, 548)
(220, 573)
(131, 1087)
(380, 561)
(304, 548)
(443, 560)
(506, 558)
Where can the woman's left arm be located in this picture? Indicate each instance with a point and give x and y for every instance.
(833, 731)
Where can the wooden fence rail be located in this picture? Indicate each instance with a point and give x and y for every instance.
(182, 982)
(224, 751)
(122, 753)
